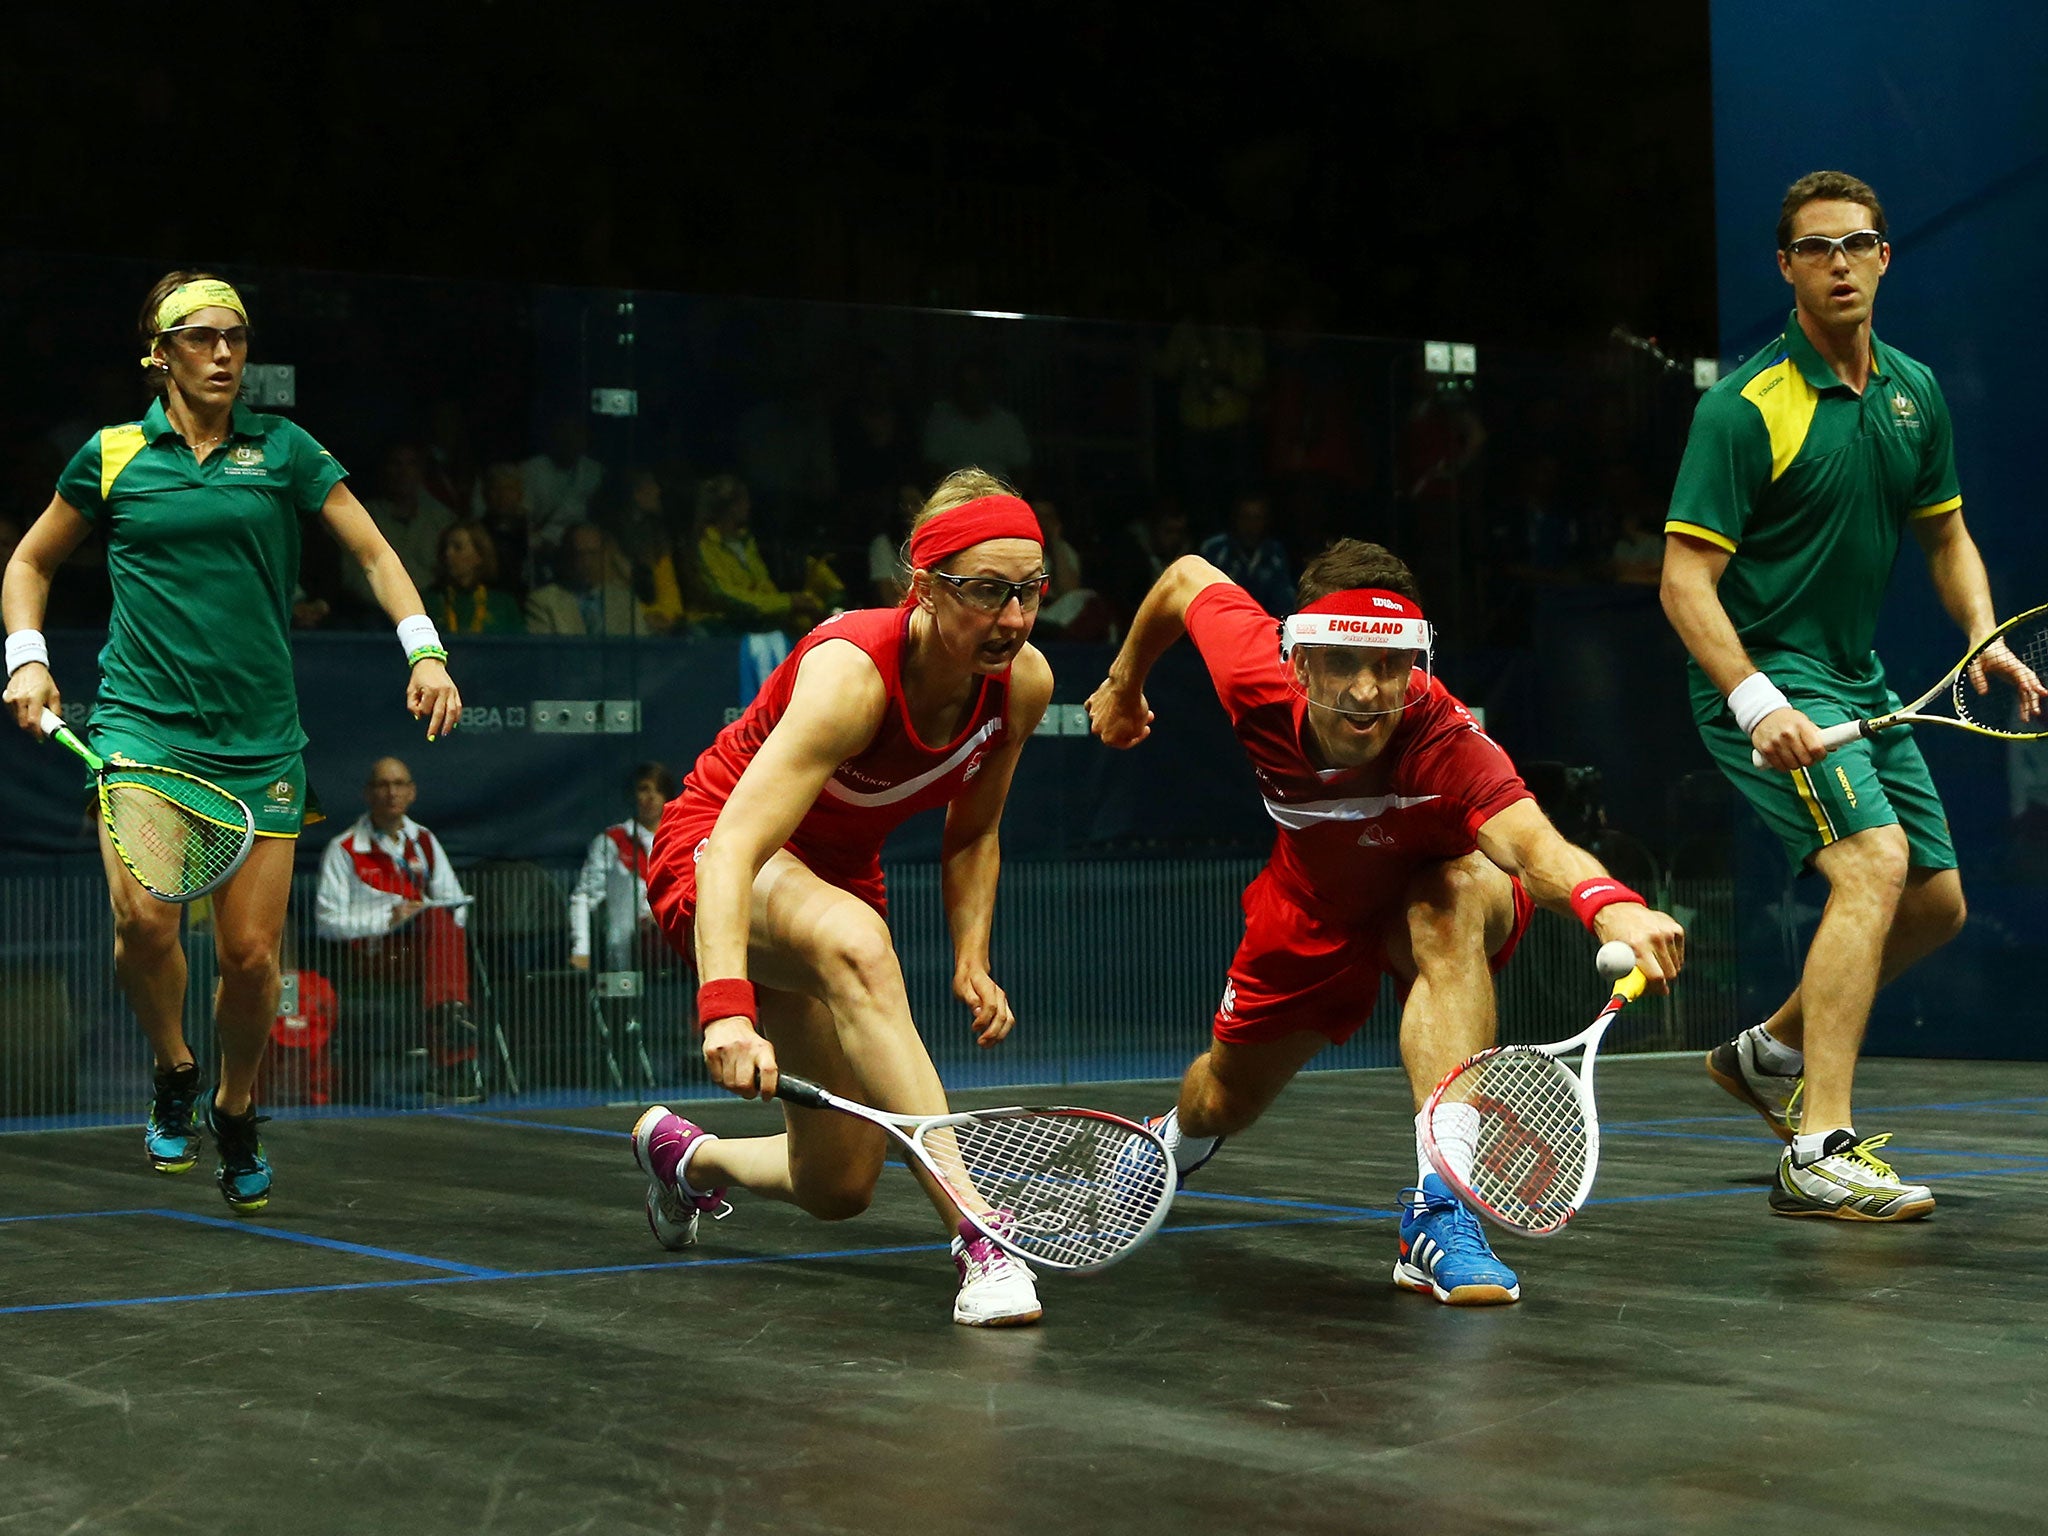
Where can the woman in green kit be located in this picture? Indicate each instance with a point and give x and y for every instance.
(200, 503)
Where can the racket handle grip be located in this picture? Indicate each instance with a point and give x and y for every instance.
(1831, 737)
(52, 722)
(799, 1090)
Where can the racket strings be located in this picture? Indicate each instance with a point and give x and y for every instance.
(1998, 710)
(1532, 1148)
(178, 835)
(1073, 1190)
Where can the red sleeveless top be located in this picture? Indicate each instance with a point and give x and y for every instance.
(869, 795)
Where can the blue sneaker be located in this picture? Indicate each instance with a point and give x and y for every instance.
(1189, 1152)
(1444, 1252)
(170, 1136)
(244, 1172)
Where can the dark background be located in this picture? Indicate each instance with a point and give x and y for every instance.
(1499, 173)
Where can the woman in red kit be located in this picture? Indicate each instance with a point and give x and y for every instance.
(769, 864)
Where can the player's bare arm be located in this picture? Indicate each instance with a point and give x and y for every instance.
(1117, 711)
(25, 597)
(833, 713)
(971, 855)
(1522, 841)
(1689, 591)
(430, 693)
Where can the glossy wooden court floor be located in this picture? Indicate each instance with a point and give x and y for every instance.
(458, 1323)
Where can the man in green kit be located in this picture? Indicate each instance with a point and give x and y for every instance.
(1803, 469)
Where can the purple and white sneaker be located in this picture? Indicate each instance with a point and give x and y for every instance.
(996, 1290)
(662, 1142)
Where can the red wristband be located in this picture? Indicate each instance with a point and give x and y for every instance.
(1589, 896)
(728, 997)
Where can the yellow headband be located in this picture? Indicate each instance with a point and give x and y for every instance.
(190, 298)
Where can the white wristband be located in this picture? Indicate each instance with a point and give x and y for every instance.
(25, 646)
(417, 630)
(1753, 698)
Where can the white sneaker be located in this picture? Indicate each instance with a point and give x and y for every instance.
(1848, 1181)
(1734, 1065)
(996, 1291)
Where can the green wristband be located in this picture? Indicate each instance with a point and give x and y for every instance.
(425, 653)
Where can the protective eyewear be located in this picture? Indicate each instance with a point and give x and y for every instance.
(990, 594)
(202, 340)
(1856, 245)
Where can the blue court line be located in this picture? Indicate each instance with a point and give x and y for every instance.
(1347, 1214)
(285, 1234)
(1296, 1205)
(537, 1125)
(489, 1276)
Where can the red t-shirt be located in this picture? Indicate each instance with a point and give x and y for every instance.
(1345, 852)
(871, 794)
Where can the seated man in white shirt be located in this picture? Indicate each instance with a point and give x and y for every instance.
(389, 892)
(615, 875)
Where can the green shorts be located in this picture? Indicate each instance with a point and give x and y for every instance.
(1876, 781)
(274, 788)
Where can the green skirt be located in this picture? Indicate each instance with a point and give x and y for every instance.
(274, 788)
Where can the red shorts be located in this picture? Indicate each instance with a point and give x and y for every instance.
(686, 824)
(1295, 972)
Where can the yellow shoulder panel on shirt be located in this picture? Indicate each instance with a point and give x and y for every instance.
(1786, 402)
(118, 447)
(1953, 504)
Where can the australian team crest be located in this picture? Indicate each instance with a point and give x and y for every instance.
(1904, 408)
(281, 792)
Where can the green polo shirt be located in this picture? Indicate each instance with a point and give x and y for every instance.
(203, 558)
(1809, 486)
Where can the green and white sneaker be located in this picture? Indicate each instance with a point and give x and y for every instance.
(1848, 1181)
(1734, 1064)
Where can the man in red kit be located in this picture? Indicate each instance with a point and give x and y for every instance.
(769, 866)
(1407, 845)
(388, 891)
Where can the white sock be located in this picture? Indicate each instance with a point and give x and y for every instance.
(1774, 1055)
(1457, 1138)
(1808, 1147)
(1186, 1149)
(683, 1167)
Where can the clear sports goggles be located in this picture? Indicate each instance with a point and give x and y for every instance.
(1356, 664)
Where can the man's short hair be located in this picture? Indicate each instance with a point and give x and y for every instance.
(1351, 564)
(1827, 187)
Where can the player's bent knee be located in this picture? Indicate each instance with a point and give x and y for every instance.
(836, 1199)
(859, 957)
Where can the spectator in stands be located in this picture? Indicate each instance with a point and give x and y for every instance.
(1632, 525)
(410, 519)
(970, 431)
(560, 483)
(1148, 548)
(506, 519)
(643, 529)
(388, 891)
(733, 579)
(448, 465)
(593, 597)
(1071, 611)
(615, 874)
(784, 447)
(466, 598)
(1248, 556)
(888, 577)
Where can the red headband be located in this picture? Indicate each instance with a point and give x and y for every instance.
(1366, 603)
(958, 528)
